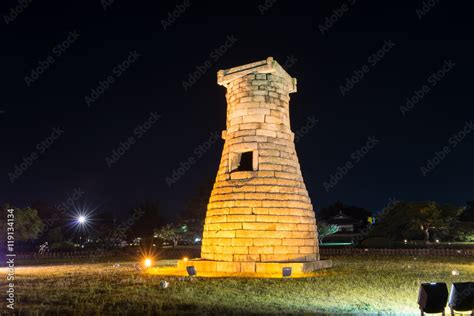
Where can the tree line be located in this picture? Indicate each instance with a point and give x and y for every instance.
(400, 220)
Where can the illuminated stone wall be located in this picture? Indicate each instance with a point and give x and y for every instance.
(262, 215)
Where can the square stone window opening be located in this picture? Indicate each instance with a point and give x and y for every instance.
(243, 161)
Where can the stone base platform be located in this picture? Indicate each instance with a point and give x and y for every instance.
(209, 267)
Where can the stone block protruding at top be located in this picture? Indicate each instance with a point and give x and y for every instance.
(269, 65)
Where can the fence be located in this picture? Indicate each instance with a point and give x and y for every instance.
(132, 254)
(71, 254)
(396, 252)
(174, 253)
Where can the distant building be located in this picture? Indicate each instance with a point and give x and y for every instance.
(349, 228)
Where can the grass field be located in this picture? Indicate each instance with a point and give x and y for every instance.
(357, 285)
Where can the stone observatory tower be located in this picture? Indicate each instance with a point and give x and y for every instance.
(259, 218)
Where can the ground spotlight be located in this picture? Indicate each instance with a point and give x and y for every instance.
(461, 298)
(191, 270)
(432, 297)
(185, 259)
(286, 272)
(147, 262)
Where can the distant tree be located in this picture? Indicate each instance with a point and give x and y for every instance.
(108, 232)
(468, 214)
(169, 232)
(184, 231)
(325, 230)
(434, 216)
(355, 212)
(463, 231)
(55, 235)
(27, 223)
(112, 235)
(53, 219)
(191, 229)
(410, 219)
(45, 209)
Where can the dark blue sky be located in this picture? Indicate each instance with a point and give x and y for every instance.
(138, 67)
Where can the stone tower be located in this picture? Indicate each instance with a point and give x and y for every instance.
(259, 217)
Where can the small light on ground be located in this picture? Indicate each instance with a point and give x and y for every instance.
(147, 262)
(455, 272)
(185, 258)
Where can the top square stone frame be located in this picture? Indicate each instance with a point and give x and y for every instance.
(269, 65)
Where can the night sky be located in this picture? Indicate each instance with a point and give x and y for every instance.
(65, 109)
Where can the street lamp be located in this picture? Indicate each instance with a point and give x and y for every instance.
(81, 219)
(81, 225)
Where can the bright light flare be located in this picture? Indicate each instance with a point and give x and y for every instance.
(147, 262)
(82, 219)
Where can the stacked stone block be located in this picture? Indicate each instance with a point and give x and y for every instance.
(264, 214)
